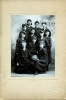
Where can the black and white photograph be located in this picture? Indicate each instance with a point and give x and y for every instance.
(32, 45)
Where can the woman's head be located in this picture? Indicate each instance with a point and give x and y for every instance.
(32, 30)
(47, 33)
(44, 24)
(36, 24)
(41, 44)
(29, 22)
(23, 35)
(24, 27)
(24, 44)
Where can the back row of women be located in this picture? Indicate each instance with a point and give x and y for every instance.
(33, 49)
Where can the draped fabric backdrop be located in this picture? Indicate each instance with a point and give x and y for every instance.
(16, 26)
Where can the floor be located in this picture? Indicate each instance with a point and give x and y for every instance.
(51, 72)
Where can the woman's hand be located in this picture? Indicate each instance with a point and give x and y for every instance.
(34, 57)
(17, 64)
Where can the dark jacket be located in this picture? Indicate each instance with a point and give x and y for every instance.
(32, 48)
(48, 45)
(23, 58)
(37, 31)
(42, 63)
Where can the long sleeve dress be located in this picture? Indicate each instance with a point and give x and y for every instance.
(25, 64)
(42, 63)
(48, 45)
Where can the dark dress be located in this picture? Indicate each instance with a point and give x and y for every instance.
(20, 35)
(37, 31)
(23, 58)
(32, 48)
(45, 31)
(42, 63)
(48, 45)
(31, 37)
(29, 28)
(25, 64)
(41, 39)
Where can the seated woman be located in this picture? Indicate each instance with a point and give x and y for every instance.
(23, 63)
(42, 60)
(22, 37)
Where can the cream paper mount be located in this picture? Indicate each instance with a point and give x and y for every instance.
(33, 88)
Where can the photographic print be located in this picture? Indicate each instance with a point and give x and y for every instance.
(33, 45)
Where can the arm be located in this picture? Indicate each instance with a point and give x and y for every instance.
(43, 57)
(50, 42)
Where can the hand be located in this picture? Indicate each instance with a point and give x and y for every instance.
(34, 57)
(37, 59)
(17, 64)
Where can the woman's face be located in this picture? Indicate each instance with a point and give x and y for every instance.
(44, 25)
(33, 31)
(47, 34)
(34, 40)
(41, 45)
(24, 28)
(23, 35)
(37, 25)
(41, 34)
(23, 44)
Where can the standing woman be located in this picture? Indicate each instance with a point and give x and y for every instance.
(37, 28)
(44, 24)
(47, 35)
(29, 27)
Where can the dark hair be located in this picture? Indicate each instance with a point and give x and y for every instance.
(36, 22)
(23, 25)
(20, 34)
(44, 23)
(46, 32)
(30, 21)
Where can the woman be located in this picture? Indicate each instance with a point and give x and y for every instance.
(23, 63)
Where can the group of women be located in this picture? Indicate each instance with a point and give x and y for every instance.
(33, 49)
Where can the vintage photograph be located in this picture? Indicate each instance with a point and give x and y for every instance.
(33, 45)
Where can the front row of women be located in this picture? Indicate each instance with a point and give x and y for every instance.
(32, 57)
